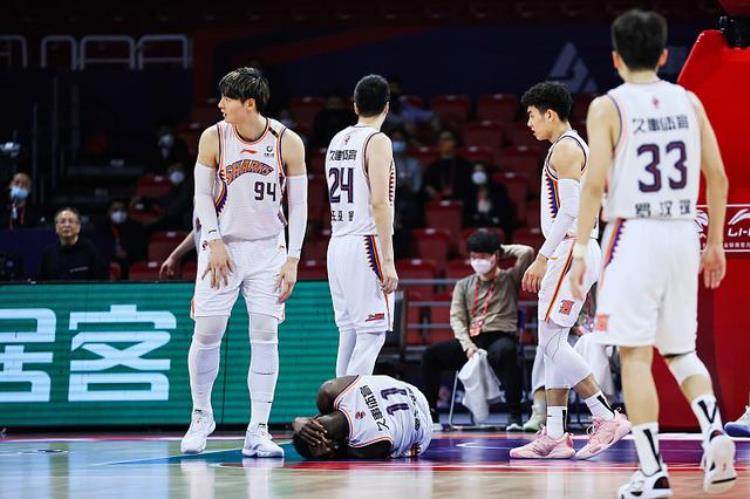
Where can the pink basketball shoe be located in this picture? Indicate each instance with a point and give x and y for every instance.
(545, 447)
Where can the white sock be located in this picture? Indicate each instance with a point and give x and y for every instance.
(599, 407)
(707, 411)
(646, 438)
(556, 416)
(203, 359)
(264, 367)
(366, 351)
(347, 340)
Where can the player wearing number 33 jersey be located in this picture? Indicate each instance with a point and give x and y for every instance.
(361, 274)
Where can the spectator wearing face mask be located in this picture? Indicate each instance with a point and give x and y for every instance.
(127, 237)
(167, 149)
(450, 176)
(484, 314)
(72, 257)
(488, 204)
(177, 205)
(401, 113)
(17, 212)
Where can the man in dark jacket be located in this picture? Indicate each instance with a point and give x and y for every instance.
(72, 257)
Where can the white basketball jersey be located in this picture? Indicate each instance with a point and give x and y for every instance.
(550, 198)
(656, 171)
(251, 184)
(348, 183)
(381, 408)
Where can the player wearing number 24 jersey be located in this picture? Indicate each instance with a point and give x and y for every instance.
(361, 271)
(374, 417)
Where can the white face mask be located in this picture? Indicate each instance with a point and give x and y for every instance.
(176, 177)
(479, 177)
(18, 193)
(481, 266)
(484, 206)
(119, 216)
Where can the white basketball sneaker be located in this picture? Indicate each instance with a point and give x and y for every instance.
(201, 426)
(718, 465)
(643, 486)
(258, 443)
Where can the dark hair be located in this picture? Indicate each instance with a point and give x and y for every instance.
(639, 37)
(483, 241)
(68, 208)
(246, 83)
(549, 95)
(371, 95)
(302, 447)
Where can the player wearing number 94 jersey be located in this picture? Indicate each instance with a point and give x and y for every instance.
(361, 272)
(363, 417)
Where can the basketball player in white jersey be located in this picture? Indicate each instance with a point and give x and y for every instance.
(361, 270)
(649, 141)
(365, 417)
(246, 164)
(548, 105)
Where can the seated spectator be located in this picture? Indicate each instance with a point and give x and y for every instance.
(16, 211)
(450, 176)
(408, 181)
(333, 118)
(72, 258)
(177, 206)
(484, 314)
(489, 204)
(127, 237)
(401, 113)
(166, 150)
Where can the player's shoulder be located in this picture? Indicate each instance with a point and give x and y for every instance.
(379, 142)
(603, 106)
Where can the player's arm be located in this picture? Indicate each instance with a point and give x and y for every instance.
(603, 127)
(379, 158)
(293, 154)
(567, 159)
(378, 450)
(169, 266)
(331, 389)
(713, 261)
(219, 265)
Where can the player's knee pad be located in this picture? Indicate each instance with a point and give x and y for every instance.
(687, 365)
(264, 329)
(208, 331)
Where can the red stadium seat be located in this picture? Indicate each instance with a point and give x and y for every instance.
(432, 244)
(415, 268)
(530, 237)
(144, 271)
(524, 160)
(497, 107)
(440, 316)
(452, 109)
(447, 215)
(312, 270)
(532, 214)
(152, 186)
(316, 248)
(581, 104)
(115, 272)
(519, 134)
(466, 233)
(424, 154)
(317, 197)
(517, 186)
(480, 154)
(304, 109)
(189, 269)
(317, 161)
(484, 133)
(139, 213)
(458, 268)
(162, 244)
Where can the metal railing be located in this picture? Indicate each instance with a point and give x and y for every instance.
(7, 51)
(47, 41)
(149, 40)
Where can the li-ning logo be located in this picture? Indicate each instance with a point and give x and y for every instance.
(359, 415)
(736, 230)
(375, 317)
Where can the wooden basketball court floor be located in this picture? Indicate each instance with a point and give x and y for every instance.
(458, 464)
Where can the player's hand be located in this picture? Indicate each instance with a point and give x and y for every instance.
(168, 268)
(219, 263)
(576, 278)
(471, 351)
(532, 278)
(713, 265)
(287, 279)
(390, 278)
(313, 432)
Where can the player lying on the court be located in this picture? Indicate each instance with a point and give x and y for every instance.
(365, 417)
